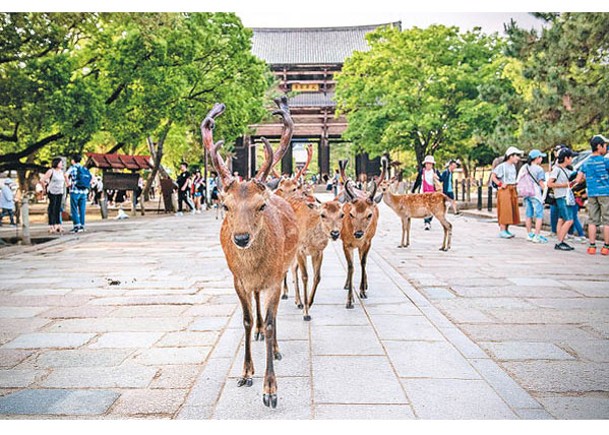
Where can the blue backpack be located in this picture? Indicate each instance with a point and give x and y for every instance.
(83, 178)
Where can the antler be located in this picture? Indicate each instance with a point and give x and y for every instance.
(208, 142)
(309, 157)
(384, 164)
(264, 171)
(288, 128)
(342, 165)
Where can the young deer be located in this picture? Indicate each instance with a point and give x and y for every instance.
(259, 238)
(418, 206)
(288, 186)
(359, 227)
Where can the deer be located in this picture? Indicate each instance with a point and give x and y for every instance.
(259, 238)
(417, 206)
(288, 186)
(359, 227)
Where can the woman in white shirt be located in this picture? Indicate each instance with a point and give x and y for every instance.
(504, 176)
(55, 181)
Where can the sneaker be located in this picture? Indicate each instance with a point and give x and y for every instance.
(505, 235)
(531, 237)
(591, 250)
(511, 234)
(74, 230)
(570, 237)
(179, 213)
(581, 239)
(562, 246)
(540, 239)
(605, 250)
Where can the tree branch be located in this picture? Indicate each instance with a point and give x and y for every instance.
(30, 149)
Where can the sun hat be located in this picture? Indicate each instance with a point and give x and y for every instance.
(429, 159)
(513, 150)
(533, 154)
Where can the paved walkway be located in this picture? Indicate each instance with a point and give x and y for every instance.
(141, 321)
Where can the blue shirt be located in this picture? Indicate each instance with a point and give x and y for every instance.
(596, 170)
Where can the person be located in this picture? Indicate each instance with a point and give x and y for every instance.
(183, 182)
(446, 178)
(553, 208)
(504, 176)
(596, 171)
(558, 180)
(77, 177)
(7, 202)
(55, 182)
(577, 230)
(97, 187)
(426, 180)
(197, 189)
(335, 181)
(536, 178)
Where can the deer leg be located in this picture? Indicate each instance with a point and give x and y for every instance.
(285, 287)
(363, 256)
(408, 221)
(269, 390)
(401, 245)
(248, 364)
(302, 265)
(316, 260)
(297, 299)
(349, 283)
(448, 230)
(259, 336)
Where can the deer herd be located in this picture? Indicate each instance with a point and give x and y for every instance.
(267, 232)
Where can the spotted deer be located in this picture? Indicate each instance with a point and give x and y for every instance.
(259, 238)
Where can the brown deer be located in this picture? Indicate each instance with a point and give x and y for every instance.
(359, 227)
(418, 206)
(288, 186)
(259, 238)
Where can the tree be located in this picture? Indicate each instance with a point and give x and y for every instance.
(419, 89)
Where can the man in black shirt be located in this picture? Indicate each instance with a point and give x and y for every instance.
(183, 182)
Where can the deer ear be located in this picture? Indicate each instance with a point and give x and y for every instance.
(378, 197)
(259, 184)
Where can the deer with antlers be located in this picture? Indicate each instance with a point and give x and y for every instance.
(417, 206)
(359, 227)
(259, 237)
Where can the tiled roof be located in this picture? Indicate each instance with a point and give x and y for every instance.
(118, 161)
(315, 45)
(312, 99)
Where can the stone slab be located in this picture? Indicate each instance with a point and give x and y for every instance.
(49, 340)
(120, 324)
(172, 356)
(105, 377)
(20, 312)
(188, 338)
(363, 412)
(589, 407)
(518, 350)
(57, 402)
(82, 358)
(345, 340)
(147, 401)
(17, 378)
(126, 340)
(405, 328)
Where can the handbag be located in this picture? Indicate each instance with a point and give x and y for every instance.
(525, 187)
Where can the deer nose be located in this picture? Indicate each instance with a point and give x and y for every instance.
(334, 234)
(358, 234)
(242, 240)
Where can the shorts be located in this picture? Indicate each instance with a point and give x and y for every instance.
(451, 195)
(198, 194)
(534, 208)
(563, 210)
(598, 210)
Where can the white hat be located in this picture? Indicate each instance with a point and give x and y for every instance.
(513, 150)
(429, 159)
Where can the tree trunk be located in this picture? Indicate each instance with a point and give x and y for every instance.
(157, 156)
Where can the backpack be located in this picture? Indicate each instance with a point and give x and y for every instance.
(525, 186)
(82, 178)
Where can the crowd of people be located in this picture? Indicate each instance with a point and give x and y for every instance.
(563, 189)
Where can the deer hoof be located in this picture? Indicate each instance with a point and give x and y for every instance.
(363, 295)
(259, 336)
(284, 296)
(270, 400)
(248, 382)
(301, 306)
(349, 306)
(278, 356)
(307, 318)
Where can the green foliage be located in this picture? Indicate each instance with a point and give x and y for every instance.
(419, 90)
(67, 81)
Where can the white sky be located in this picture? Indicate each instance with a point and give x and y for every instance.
(489, 15)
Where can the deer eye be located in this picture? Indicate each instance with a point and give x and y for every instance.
(262, 207)
(225, 207)
(323, 215)
(370, 215)
(342, 215)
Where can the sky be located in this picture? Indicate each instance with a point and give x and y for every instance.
(466, 14)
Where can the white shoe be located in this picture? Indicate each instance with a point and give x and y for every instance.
(179, 213)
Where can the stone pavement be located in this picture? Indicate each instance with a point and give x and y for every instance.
(142, 322)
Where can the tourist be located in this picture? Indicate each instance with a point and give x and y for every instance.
(446, 178)
(558, 180)
(183, 182)
(79, 179)
(532, 175)
(7, 202)
(427, 179)
(198, 189)
(596, 171)
(553, 209)
(55, 181)
(504, 176)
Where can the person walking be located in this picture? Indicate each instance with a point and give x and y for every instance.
(183, 182)
(596, 171)
(427, 179)
(55, 181)
(198, 188)
(504, 176)
(79, 179)
(558, 180)
(532, 178)
(7, 202)
(446, 178)
(553, 208)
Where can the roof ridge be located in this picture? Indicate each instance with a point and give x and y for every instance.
(324, 29)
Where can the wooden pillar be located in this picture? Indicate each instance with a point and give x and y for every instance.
(323, 156)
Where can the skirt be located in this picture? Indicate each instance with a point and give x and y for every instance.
(508, 212)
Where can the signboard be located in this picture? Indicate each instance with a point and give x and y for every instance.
(305, 87)
(120, 181)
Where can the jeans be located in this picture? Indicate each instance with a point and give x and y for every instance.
(577, 226)
(184, 196)
(78, 207)
(10, 213)
(553, 217)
